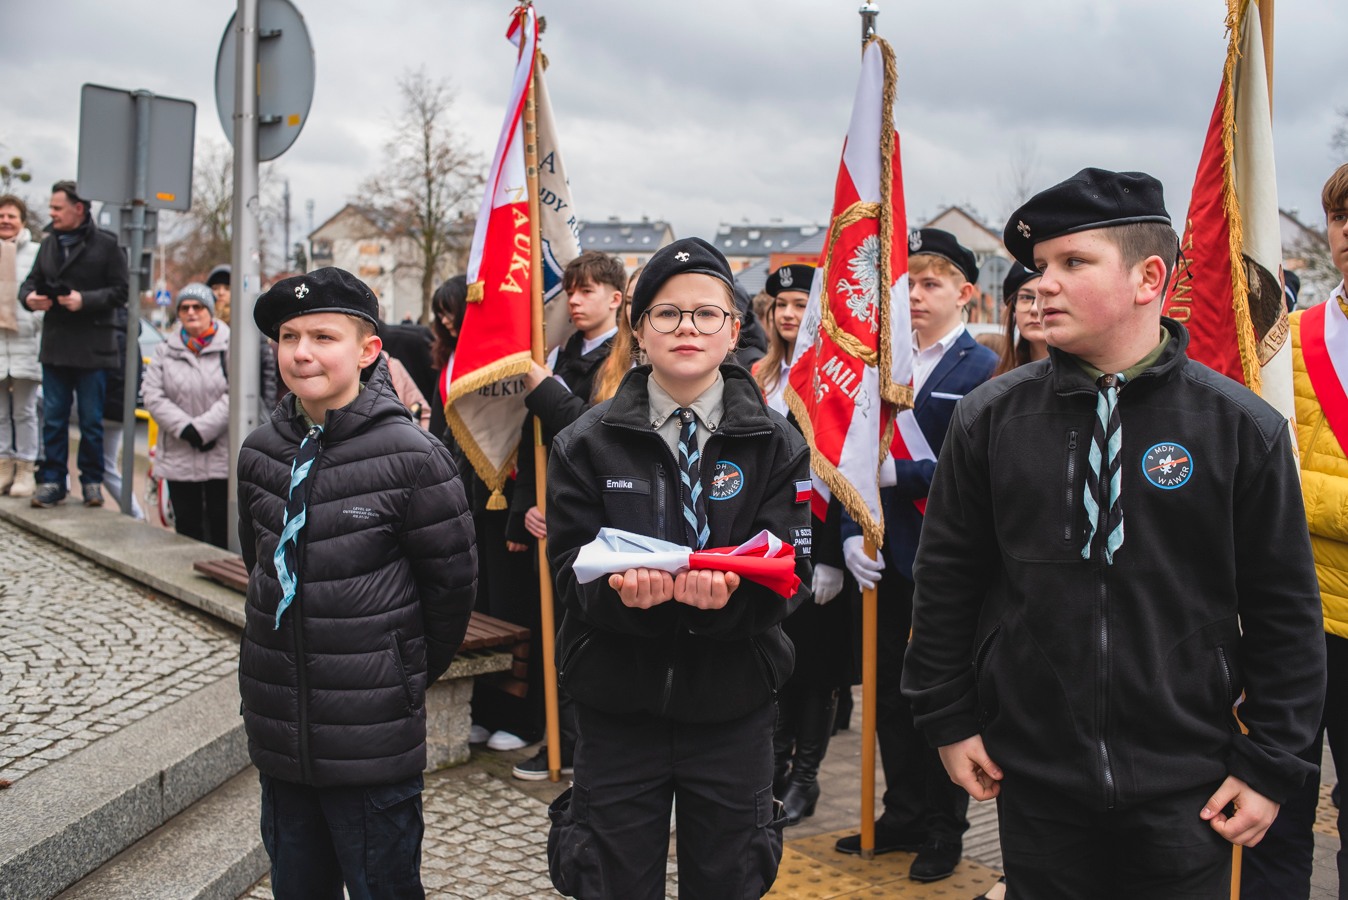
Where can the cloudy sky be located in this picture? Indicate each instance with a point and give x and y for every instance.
(708, 111)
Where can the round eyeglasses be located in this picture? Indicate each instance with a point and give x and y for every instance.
(666, 318)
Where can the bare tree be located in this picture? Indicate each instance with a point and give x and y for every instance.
(1339, 141)
(1022, 172)
(202, 238)
(429, 182)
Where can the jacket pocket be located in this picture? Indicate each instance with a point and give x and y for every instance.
(399, 662)
(1231, 687)
(572, 653)
(1072, 502)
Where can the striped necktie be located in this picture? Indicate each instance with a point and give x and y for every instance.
(293, 520)
(694, 504)
(1104, 476)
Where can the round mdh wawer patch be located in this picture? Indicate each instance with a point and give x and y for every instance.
(1167, 465)
(727, 480)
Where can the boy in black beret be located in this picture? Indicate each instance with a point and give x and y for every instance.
(1115, 550)
(923, 812)
(362, 572)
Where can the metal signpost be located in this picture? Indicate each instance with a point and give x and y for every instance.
(135, 152)
(264, 82)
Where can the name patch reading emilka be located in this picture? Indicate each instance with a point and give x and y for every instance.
(625, 484)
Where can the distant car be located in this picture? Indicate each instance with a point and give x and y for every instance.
(149, 338)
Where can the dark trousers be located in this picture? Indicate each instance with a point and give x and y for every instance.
(610, 831)
(61, 387)
(1279, 867)
(200, 509)
(1056, 848)
(368, 838)
(919, 795)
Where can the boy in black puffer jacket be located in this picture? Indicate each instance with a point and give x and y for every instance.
(362, 571)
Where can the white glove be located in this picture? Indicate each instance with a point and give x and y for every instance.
(864, 569)
(828, 583)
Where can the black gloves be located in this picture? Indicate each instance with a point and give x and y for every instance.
(190, 435)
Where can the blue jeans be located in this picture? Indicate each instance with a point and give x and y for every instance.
(61, 385)
(366, 837)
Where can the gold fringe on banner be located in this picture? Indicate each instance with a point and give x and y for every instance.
(1240, 285)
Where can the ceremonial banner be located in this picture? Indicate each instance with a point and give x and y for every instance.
(483, 394)
(850, 374)
(1229, 295)
(764, 559)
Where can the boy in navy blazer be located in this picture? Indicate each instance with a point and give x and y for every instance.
(924, 812)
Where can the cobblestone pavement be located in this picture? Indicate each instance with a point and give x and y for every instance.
(485, 840)
(85, 652)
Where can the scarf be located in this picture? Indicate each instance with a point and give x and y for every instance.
(201, 341)
(9, 286)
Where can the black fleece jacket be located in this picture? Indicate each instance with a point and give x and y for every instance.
(1115, 684)
(610, 468)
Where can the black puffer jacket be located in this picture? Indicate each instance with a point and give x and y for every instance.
(610, 468)
(1115, 683)
(96, 267)
(387, 575)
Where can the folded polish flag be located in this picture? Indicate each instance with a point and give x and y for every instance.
(765, 558)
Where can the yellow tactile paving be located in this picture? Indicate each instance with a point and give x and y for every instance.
(1326, 816)
(811, 868)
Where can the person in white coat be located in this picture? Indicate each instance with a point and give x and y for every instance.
(186, 389)
(20, 372)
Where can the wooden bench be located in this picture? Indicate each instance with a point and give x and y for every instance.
(492, 648)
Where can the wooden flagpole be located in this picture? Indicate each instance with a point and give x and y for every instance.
(869, 619)
(539, 349)
(1265, 8)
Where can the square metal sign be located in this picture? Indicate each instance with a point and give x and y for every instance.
(107, 163)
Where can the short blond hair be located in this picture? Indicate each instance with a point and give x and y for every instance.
(920, 263)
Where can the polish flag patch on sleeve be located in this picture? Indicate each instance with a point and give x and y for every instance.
(803, 491)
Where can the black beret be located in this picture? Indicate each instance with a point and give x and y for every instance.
(945, 245)
(689, 255)
(795, 277)
(1015, 280)
(1092, 198)
(327, 290)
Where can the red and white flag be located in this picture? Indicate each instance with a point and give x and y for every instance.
(850, 375)
(1230, 294)
(483, 393)
(764, 559)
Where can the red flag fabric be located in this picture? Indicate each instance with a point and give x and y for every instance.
(1228, 290)
(483, 393)
(849, 374)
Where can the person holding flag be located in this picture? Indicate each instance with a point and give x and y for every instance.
(1114, 550)
(674, 676)
(924, 811)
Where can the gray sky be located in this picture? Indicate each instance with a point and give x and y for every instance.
(709, 111)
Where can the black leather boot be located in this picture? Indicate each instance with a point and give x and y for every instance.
(814, 726)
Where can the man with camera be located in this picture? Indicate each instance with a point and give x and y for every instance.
(79, 280)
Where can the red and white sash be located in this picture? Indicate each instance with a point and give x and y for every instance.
(910, 444)
(1324, 347)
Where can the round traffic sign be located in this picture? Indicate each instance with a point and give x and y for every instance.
(285, 62)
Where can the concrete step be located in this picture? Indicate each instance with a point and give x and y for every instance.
(210, 851)
(68, 818)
